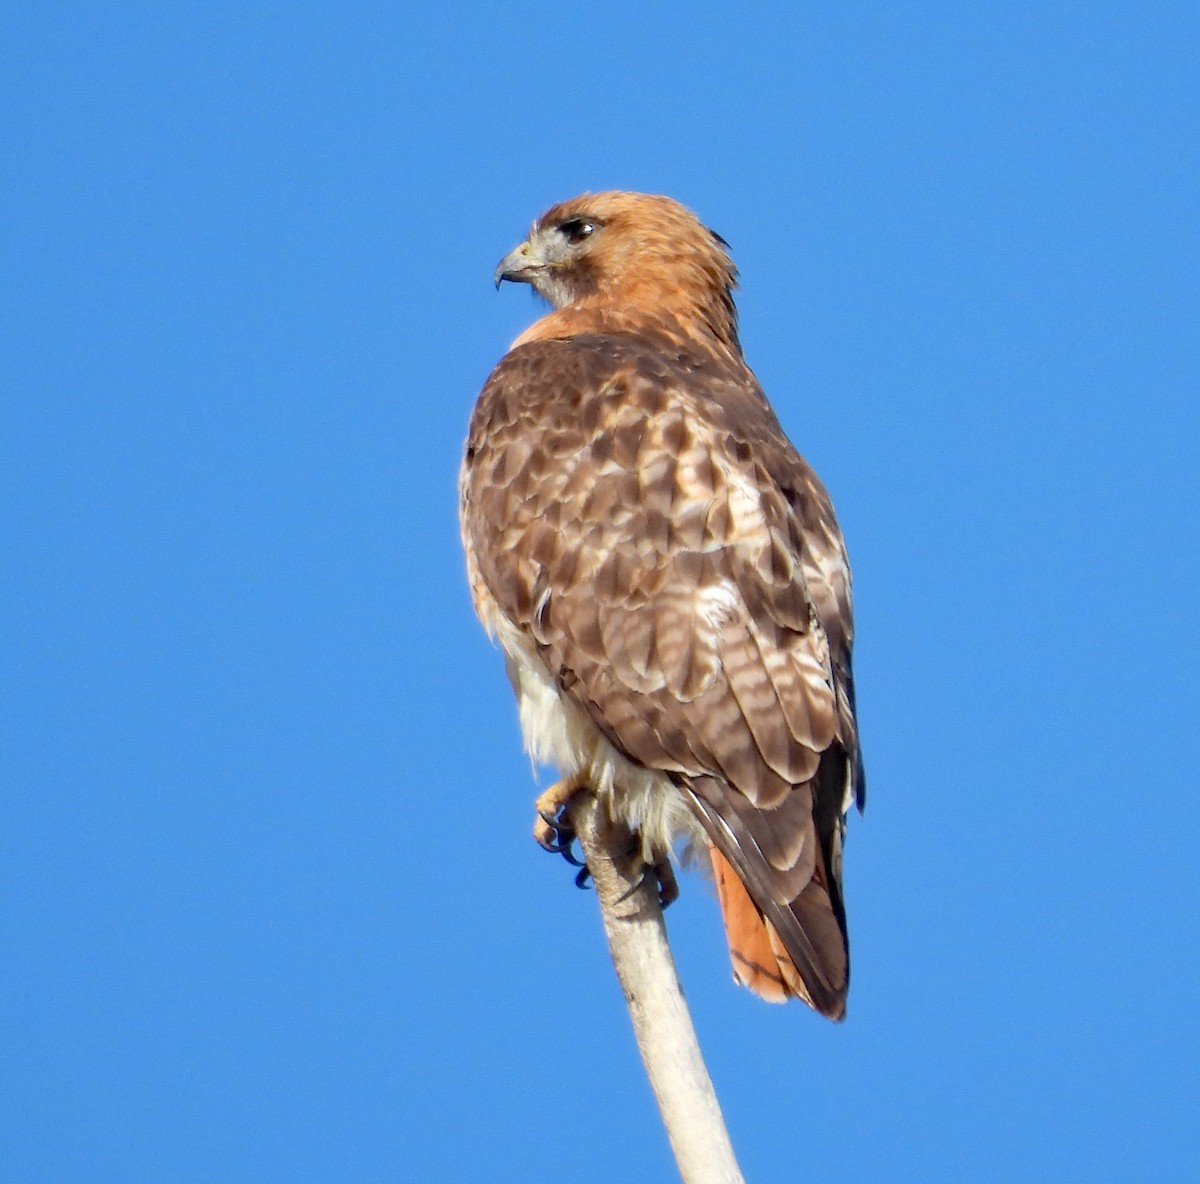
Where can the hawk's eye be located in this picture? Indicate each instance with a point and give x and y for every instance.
(575, 230)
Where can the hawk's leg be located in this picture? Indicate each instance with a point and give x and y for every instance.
(552, 828)
(554, 833)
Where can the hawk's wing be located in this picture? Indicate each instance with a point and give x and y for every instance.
(636, 509)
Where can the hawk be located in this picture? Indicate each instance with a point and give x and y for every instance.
(668, 581)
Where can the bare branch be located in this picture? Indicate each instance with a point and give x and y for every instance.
(637, 940)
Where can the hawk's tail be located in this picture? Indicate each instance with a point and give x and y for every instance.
(752, 941)
(782, 904)
(760, 959)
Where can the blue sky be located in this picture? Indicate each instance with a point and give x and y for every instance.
(270, 908)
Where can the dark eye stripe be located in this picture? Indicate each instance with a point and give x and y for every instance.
(575, 230)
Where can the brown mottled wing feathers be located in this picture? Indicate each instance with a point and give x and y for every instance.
(635, 506)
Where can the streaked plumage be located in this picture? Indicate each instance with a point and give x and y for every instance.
(667, 579)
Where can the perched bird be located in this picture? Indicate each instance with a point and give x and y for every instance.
(668, 582)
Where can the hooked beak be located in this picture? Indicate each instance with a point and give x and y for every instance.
(519, 266)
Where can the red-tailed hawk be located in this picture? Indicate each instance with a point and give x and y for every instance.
(668, 581)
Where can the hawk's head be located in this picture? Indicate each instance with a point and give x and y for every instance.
(627, 251)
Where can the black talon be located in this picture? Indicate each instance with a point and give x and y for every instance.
(666, 891)
(564, 833)
(569, 855)
(581, 880)
(559, 826)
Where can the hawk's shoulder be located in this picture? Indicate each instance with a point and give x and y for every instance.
(580, 378)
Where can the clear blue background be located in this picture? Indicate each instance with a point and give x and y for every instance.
(270, 908)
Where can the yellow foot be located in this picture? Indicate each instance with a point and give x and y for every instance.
(551, 828)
